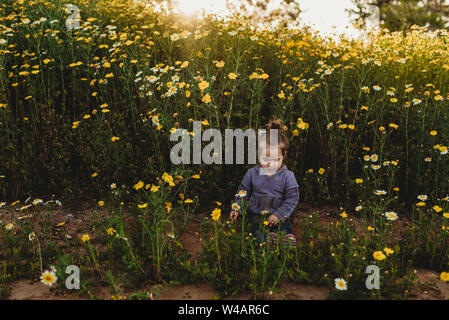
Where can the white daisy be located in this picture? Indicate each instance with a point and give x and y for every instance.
(31, 236)
(422, 197)
(241, 193)
(391, 215)
(416, 101)
(48, 278)
(340, 284)
(37, 201)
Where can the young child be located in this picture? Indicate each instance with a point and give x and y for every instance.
(272, 193)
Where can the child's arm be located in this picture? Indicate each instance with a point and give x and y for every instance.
(291, 198)
(288, 205)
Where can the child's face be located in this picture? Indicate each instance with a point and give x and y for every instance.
(271, 159)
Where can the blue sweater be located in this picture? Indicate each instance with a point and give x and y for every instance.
(277, 193)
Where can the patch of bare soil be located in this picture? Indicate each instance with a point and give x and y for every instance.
(430, 287)
(294, 291)
(33, 290)
(288, 291)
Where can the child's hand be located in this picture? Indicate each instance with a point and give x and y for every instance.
(273, 220)
(233, 215)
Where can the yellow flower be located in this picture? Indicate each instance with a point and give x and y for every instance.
(421, 204)
(168, 178)
(265, 223)
(232, 76)
(436, 208)
(358, 181)
(154, 188)
(379, 255)
(85, 237)
(433, 133)
(393, 125)
(344, 214)
(444, 276)
(101, 203)
(446, 215)
(321, 171)
(142, 206)
(220, 64)
(185, 64)
(370, 228)
(111, 231)
(216, 213)
(203, 85)
(388, 251)
(206, 99)
(113, 139)
(94, 175)
(188, 201)
(168, 206)
(196, 176)
(138, 185)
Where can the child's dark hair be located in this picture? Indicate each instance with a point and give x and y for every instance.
(282, 136)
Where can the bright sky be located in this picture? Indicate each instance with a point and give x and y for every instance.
(322, 15)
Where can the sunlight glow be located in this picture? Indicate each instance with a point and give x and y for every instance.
(194, 7)
(327, 17)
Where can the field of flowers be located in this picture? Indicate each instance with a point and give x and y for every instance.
(86, 115)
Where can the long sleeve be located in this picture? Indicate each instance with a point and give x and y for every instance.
(288, 204)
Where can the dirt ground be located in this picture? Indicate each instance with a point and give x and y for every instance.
(78, 221)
